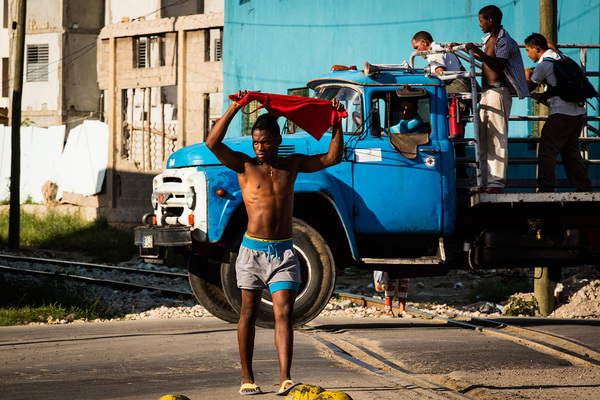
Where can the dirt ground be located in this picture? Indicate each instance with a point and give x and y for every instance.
(577, 295)
(451, 289)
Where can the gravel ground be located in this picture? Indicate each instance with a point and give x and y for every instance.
(578, 296)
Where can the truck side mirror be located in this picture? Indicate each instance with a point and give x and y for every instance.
(374, 123)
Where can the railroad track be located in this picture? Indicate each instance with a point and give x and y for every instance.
(369, 360)
(80, 271)
(342, 344)
(566, 348)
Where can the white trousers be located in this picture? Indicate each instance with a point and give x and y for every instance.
(494, 110)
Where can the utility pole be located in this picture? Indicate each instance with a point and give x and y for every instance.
(545, 278)
(15, 162)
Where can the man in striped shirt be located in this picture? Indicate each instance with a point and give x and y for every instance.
(502, 74)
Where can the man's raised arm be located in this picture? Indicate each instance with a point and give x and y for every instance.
(334, 154)
(495, 63)
(229, 158)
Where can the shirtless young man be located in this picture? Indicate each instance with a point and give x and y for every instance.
(266, 257)
(502, 67)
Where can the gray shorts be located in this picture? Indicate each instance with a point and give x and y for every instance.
(259, 269)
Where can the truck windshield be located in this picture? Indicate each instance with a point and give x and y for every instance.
(352, 101)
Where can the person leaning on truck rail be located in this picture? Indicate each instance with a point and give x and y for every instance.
(266, 258)
(423, 41)
(502, 70)
(562, 129)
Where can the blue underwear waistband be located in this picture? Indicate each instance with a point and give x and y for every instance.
(270, 246)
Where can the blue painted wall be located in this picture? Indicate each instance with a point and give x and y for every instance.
(276, 45)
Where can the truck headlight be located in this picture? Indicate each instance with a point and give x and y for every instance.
(154, 200)
(190, 198)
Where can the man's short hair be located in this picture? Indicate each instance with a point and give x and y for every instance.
(422, 35)
(492, 12)
(536, 39)
(267, 122)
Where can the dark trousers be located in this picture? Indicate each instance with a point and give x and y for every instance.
(560, 135)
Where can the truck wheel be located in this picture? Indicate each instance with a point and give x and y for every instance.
(318, 277)
(206, 285)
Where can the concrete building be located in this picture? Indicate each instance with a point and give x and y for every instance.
(4, 69)
(59, 87)
(150, 69)
(159, 65)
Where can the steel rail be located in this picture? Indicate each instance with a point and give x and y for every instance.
(565, 348)
(77, 264)
(405, 378)
(96, 281)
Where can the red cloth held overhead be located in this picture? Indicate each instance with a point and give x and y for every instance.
(315, 116)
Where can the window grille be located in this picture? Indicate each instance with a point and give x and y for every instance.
(217, 48)
(149, 51)
(37, 63)
(142, 52)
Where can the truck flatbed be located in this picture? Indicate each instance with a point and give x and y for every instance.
(544, 198)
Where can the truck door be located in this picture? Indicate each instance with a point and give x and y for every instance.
(394, 192)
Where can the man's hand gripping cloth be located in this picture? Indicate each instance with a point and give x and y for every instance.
(315, 116)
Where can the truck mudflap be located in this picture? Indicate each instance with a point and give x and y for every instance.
(154, 240)
(511, 249)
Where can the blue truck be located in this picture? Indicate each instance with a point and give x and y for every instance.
(395, 202)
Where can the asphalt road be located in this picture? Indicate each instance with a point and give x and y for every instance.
(135, 360)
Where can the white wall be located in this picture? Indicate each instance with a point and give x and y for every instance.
(214, 6)
(132, 9)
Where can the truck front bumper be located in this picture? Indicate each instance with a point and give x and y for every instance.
(154, 240)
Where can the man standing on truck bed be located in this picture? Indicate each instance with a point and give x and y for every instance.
(502, 68)
(561, 131)
(266, 257)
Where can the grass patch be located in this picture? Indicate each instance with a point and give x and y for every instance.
(30, 299)
(499, 290)
(25, 300)
(34, 299)
(70, 232)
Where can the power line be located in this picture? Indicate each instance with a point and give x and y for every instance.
(85, 50)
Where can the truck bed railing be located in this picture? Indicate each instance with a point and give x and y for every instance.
(474, 161)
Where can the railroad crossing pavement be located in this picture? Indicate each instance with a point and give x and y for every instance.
(135, 360)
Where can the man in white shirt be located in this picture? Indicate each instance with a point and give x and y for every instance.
(561, 131)
(423, 41)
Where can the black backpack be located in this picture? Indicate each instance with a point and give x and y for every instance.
(571, 83)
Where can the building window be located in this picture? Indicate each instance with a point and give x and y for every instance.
(37, 63)
(149, 51)
(217, 49)
(213, 41)
(5, 12)
(4, 77)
